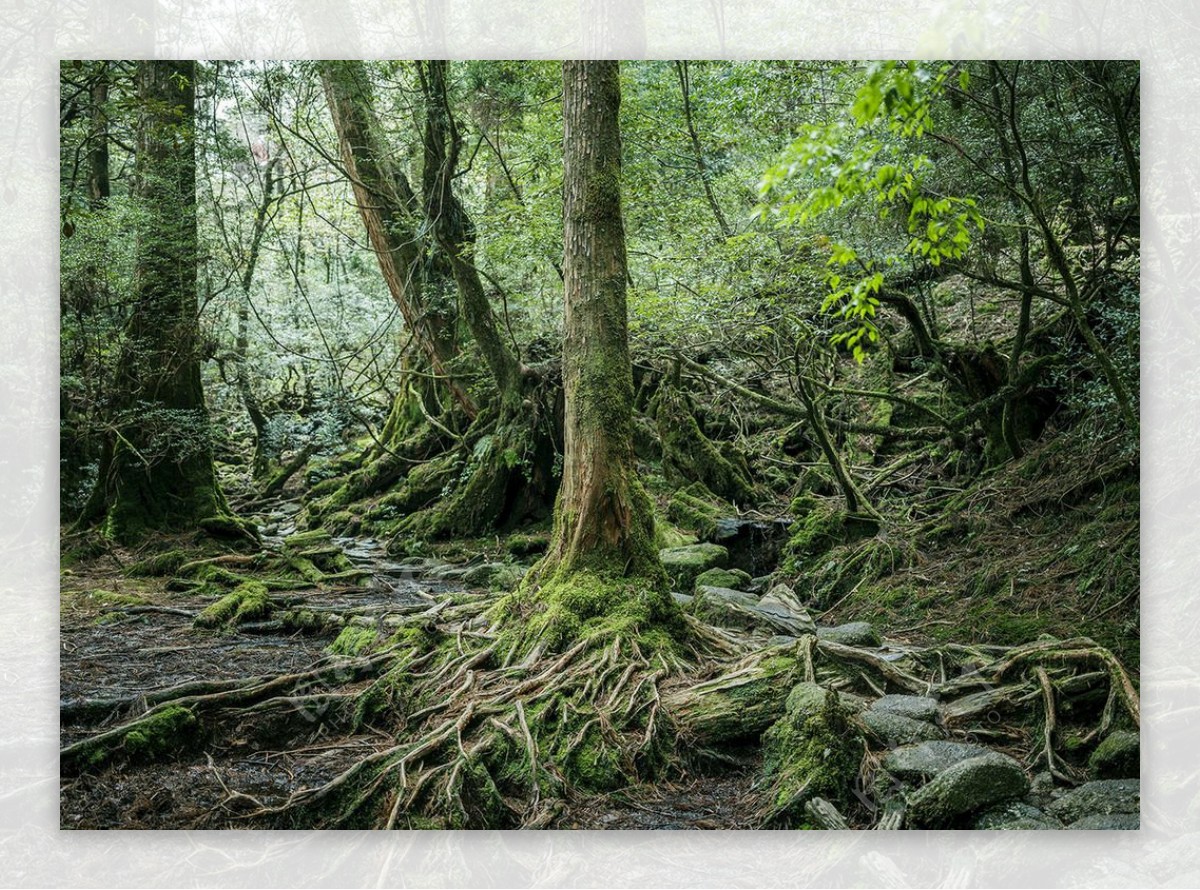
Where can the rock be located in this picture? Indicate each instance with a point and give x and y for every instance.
(805, 700)
(896, 729)
(1042, 789)
(1016, 816)
(786, 613)
(482, 575)
(1102, 798)
(730, 578)
(736, 608)
(966, 787)
(916, 763)
(918, 707)
(1027, 825)
(856, 633)
(753, 545)
(685, 564)
(1111, 822)
(726, 594)
(1118, 756)
(684, 599)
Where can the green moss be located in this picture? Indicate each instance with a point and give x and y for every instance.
(159, 734)
(205, 570)
(698, 509)
(689, 455)
(583, 605)
(808, 755)
(249, 601)
(527, 544)
(113, 598)
(353, 640)
(732, 579)
(166, 563)
(385, 694)
(308, 540)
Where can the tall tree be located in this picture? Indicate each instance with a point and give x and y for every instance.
(604, 523)
(391, 214)
(158, 469)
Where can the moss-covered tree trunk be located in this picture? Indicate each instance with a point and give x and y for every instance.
(159, 470)
(601, 575)
(603, 518)
(510, 475)
(391, 214)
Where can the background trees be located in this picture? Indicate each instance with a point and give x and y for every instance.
(155, 467)
(872, 259)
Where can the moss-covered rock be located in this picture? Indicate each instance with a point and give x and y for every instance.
(812, 751)
(734, 579)
(856, 633)
(965, 788)
(684, 565)
(916, 763)
(1109, 822)
(916, 707)
(1101, 798)
(1118, 756)
(896, 729)
(1015, 815)
(529, 544)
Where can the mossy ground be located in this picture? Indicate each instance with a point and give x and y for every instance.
(1037, 547)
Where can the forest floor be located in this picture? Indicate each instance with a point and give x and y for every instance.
(1047, 545)
(124, 637)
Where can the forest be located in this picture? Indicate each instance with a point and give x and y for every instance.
(594, 444)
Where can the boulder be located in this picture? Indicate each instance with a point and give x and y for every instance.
(805, 700)
(725, 595)
(685, 564)
(753, 545)
(736, 608)
(856, 633)
(684, 599)
(729, 578)
(916, 763)
(1101, 798)
(896, 729)
(917, 707)
(783, 611)
(1111, 822)
(1118, 756)
(965, 788)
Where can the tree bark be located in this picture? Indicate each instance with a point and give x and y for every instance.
(603, 520)
(159, 473)
(390, 212)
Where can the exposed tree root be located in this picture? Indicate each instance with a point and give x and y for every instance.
(484, 728)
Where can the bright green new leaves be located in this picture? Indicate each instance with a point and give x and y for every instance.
(868, 160)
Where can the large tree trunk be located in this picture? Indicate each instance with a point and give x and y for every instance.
(159, 470)
(514, 442)
(390, 212)
(603, 521)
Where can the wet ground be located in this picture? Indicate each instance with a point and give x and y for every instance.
(122, 638)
